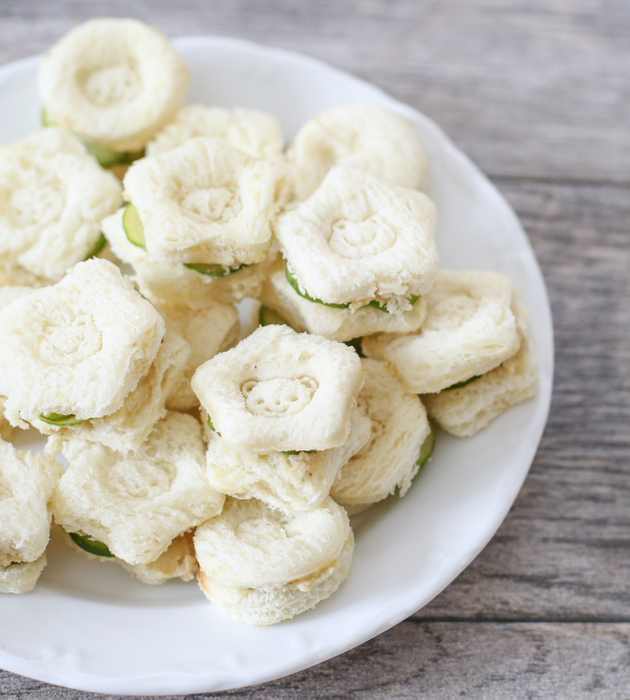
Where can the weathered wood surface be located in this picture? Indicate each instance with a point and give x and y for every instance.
(538, 94)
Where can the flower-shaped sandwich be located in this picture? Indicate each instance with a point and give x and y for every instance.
(204, 203)
(261, 565)
(470, 329)
(53, 196)
(256, 133)
(133, 506)
(114, 83)
(278, 390)
(465, 410)
(401, 441)
(74, 351)
(27, 481)
(357, 136)
(359, 241)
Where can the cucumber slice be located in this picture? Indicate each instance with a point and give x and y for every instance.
(60, 420)
(213, 270)
(356, 344)
(375, 304)
(90, 545)
(214, 430)
(297, 452)
(459, 385)
(97, 247)
(47, 120)
(107, 158)
(426, 450)
(269, 317)
(134, 230)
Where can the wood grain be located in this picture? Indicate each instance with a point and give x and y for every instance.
(538, 94)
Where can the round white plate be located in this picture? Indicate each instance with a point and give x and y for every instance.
(90, 626)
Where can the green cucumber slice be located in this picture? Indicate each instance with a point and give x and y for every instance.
(107, 158)
(269, 317)
(426, 450)
(213, 270)
(297, 452)
(134, 230)
(459, 385)
(214, 430)
(97, 247)
(90, 545)
(47, 120)
(60, 420)
(356, 344)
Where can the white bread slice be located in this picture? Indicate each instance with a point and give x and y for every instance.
(206, 202)
(22, 577)
(208, 331)
(138, 503)
(358, 136)
(399, 428)
(16, 276)
(335, 324)
(54, 195)
(128, 427)
(178, 561)
(256, 133)
(250, 545)
(177, 284)
(267, 606)
(27, 481)
(288, 481)
(113, 81)
(11, 293)
(79, 347)
(358, 239)
(279, 390)
(470, 328)
(466, 410)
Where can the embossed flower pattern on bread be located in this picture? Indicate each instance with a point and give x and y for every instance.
(112, 83)
(279, 395)
(139, 478)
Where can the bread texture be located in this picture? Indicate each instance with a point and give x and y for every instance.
(254, 132)
(208, 331)
(53, 195)
(206, 202)
(470, 329)
(254, 606)
(278, 390)
(178, 561)
(114, 82)
(251, 545)
(79, 347)
(358, 239)
(290, 481)
(177, 284)
(128, 428)
(466, 410)
(399, 427)
(360, 136)
(332, 323)
(138, 503)
(22, 577)
(27, 481)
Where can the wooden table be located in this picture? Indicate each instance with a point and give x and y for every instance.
(538, 94)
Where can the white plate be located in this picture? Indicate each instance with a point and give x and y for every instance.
(90, 626)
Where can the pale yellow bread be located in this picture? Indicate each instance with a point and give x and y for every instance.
(22, 577)
(206, 202)
(298, 481)
(389, 461)
(360, 136)
(127, 428)
(470, 328)
(53, 195)
(16, 276)
(78, 347)
(267, 606)
(177, 284)
(335, 324)
(358, 239)
(27, 481)
(466, 410)
(177, 562)
(208, 331)
(254, 132)
(138, 503)
(251, 545)
(279, 390)
(114, 82)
